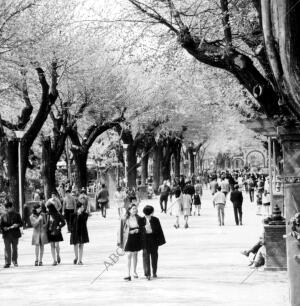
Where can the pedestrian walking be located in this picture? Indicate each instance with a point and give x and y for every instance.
(129, 238)
(266, 199)
(259, 195)
(213, 185)
(68, 208)
(197, 197)
(236, 197)
(55, 201)
(79, 232)
(84, 200)
(177, 208)
(189, 189)
(225, 187)
(39, 222)
(186, 205)
(251, 186)
(102, 200)
(55, 223)
(219, 201)
(10, 226)
(37, 195)
(119, 198)
(164, 190)
(152, 238)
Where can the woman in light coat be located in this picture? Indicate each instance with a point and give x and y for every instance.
(186, 204)
(39, 223)
(177, 208)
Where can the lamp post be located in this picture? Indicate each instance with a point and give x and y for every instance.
(19, 135)
(125, 146)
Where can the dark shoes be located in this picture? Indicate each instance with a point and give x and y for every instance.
(58, 259)
(6, 266)
(148, 277)
(15, 264)
(127, 278)
(154, 276)
(36, 263)
(75, 261)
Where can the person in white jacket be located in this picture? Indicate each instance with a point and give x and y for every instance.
(219, 201)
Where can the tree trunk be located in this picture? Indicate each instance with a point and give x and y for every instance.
(12, 168)
(131, 166)
(156, 167)
(144, 172)
(166, 168)
(48, 167)
(80, 159)
(177, 159)
(192, 162)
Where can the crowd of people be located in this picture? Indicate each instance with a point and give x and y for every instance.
(66, 207)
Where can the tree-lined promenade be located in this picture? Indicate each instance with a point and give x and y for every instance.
(164, 81)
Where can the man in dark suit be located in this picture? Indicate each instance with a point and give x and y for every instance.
(10, 225)
(236, 198)
(152, 238)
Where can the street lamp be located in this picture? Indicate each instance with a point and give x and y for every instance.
(125, 146)
(19, 135)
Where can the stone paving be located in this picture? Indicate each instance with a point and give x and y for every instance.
(199, 266)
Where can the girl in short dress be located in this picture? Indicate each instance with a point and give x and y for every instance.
(55, 222)
(130, 238)
(79, 233)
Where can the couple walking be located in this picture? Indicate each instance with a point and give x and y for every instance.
(141, 233)
(219, 201)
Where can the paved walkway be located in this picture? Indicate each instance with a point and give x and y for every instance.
(198, 266)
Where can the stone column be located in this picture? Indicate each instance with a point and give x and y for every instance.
(290, 140)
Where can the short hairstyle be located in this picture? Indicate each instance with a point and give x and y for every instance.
(35, 207)
(177, 193)
(79, 204)
(236, 186)
(148, 210)
(219, 188)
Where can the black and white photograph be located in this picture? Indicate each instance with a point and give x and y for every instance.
(150, 152)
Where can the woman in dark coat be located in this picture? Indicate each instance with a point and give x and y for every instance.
(55, 222)
(79, 232)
